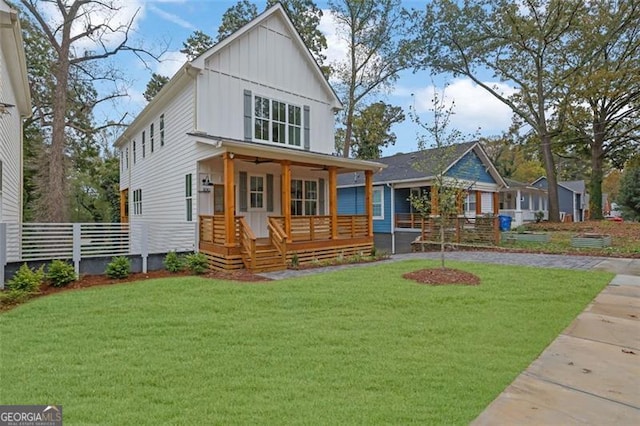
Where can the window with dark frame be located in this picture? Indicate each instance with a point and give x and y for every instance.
(162, 130)
(188, 180)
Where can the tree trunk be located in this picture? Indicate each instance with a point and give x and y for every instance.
(54, 197)
(552, 181)
(441, 241)
(595, 185)
(348, 131)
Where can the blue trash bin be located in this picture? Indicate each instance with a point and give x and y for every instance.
(505, 222)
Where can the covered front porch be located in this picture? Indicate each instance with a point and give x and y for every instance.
(523, 202)
(266, 207)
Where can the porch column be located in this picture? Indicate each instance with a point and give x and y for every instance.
(285, 199)
(496, 203)
(368, 201)
(478, 203)
(518, 213)
(333, 202)
(229, 201)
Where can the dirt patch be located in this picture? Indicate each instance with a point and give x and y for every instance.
(442, 276)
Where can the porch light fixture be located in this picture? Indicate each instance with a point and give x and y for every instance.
(207, 182)
(231, 155)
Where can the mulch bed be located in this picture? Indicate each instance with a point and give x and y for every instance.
(87, 281)
(442, 276)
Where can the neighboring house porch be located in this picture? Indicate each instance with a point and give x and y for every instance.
(522, 201)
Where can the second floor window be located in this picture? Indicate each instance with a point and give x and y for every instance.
(277, 122)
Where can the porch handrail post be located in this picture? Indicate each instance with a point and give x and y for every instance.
(333, 201)
(286, 197)
(229, 201)
(368, 199)
(77, 248)
(3, 252)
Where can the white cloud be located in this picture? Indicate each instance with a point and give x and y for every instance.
(170, 62)
(171, 17)
(474, 106)
(337, 47)
(117, 18)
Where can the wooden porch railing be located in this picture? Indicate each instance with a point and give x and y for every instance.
(409, 220)
(313, 228)
(247, 244)
(277, 236)
(211, 229)
(458, 229)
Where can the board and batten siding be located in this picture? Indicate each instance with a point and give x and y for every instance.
(267, 62)
(472, 168)
(10, 148)
(161, 174)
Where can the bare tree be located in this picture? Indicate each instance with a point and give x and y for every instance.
(80, 42)
(377, 33)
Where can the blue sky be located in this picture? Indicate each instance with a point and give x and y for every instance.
(167, 23)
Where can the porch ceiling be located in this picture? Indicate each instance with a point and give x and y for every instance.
(263, 153)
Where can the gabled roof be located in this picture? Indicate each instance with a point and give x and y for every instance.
(575, 186)
(13, 47)
(276, 9)
(415, 166)
(190, 69)
(514, 184)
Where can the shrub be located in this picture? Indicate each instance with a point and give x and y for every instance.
(119, 267)
(295, 260)
(26, 280)
(12, 297)
(60, 273)
(197, 263)
(538, 216)
(173, 262)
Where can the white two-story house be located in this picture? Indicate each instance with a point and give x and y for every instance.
(15, 106)
(241, 141)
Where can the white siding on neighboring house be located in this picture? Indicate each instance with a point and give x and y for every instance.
(267, 62)
(14, 105)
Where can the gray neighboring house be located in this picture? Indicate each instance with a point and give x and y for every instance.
(572, 197)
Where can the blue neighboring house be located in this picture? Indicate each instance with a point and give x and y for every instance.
(395, 223)
(572, 198)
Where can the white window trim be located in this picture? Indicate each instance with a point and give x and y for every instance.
(471, 196)
(304, 197)
(271, 121)
(379, 189)
(264, 193)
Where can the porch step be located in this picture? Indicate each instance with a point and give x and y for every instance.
(267, 259)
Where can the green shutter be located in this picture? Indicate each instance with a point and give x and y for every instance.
(307, 130)
(248, 128)
(242, 191)
(269, 192)
(321, 210)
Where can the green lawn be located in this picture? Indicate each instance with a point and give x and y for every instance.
(355, 346)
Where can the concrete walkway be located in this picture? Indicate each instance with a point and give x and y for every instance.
(590, 374)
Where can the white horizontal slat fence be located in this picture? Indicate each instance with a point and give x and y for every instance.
(24, 242)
